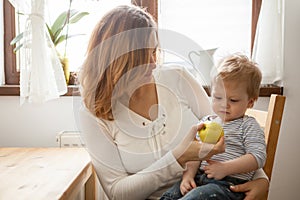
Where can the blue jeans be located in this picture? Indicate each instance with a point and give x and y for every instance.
(207, 189)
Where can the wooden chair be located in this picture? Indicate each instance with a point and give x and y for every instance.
(270, 121)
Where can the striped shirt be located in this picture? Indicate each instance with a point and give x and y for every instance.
(242, 136)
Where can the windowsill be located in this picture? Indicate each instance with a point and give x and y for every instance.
(73, 90)
(14, 90)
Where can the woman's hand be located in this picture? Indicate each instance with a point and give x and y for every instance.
(254, 190)
(191, 150)
(185, 151)
(219, 147)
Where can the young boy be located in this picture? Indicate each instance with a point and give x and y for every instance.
(234, 89)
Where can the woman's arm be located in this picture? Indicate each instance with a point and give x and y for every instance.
(191, 150)
(116, 182)
(121, 185)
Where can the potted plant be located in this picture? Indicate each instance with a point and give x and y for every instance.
(58, 33)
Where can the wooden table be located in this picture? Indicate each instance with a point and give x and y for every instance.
(45, 173)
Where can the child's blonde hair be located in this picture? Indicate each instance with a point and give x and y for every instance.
(238, 67)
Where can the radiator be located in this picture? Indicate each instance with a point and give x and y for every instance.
(69, 139)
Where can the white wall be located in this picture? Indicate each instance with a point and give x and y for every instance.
(34, 125)
(286, 177)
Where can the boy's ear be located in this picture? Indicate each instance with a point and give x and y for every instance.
(251, 102)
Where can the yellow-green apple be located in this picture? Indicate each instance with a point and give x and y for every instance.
(211, 132)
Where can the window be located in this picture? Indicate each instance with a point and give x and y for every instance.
(225, 25)
(75, 48)
(155, 7)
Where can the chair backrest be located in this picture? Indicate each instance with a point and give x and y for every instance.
(270, 121)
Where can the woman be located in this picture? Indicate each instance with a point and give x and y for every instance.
(138, 120)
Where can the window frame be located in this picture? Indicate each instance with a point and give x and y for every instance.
(12, 76)
(256, 5)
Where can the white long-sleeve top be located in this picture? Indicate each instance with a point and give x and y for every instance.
(132, 155)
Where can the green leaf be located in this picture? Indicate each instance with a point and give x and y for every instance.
(64, 37)
(20, 13)
(17, 38)
(17, 48)
(59, 39)
(73, 12)
(75, 35)
(56, 29)
(59, 23)
(50, 32)
(78, 17)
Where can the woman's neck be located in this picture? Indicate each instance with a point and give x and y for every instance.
(144, 100)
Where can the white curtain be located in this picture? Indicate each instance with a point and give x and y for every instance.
(268, 43)
(41, 75)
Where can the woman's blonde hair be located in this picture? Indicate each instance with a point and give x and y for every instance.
(238, 67)
(123, 39)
